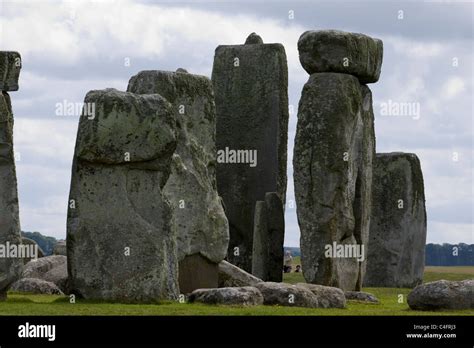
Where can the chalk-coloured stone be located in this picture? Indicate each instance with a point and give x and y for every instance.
(333, 153)
(10, 66)
(341, 52)
(121, 243)
(251, 89)
(268, 238)
(10, 267)
(396, 255)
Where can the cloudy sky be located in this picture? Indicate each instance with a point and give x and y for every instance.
(71, 47)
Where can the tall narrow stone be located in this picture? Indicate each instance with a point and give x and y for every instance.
(332, 173)
(333, 155)
(202, 227)
(10, 266)
(121, 244)
(251, 89)
(398, 222)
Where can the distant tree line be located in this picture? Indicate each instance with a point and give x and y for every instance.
(44, 242)
(449, 254)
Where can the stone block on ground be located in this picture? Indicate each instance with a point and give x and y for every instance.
(243, 296)
(283, 294)
(233, 276)
(442, 294)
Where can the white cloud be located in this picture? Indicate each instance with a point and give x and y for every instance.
(453, 87)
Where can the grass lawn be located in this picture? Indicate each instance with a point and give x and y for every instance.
(24, 304)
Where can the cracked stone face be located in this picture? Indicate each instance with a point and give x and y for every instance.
(333, 153)
(251, 91)
(10, 268)
(121, 242)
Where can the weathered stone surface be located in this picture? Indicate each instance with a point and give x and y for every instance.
(198, 214)
(328, 297)
(36, 286)
(333, 154)
(442, 294)
(287, 295)
(60, 248)
(50, 268)
(10, 268)
(268, 238)
(197, 272)
(243, 296)
(10, 66)
(32, 244)
(233, 276)
(396, 255)
(121, 244)
(360, 296)
(37, 268)
(251, 88)
(253, 39)
(341, 52)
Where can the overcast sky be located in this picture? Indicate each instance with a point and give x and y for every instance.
(71, 47)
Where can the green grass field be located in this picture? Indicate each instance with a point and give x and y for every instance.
(392, 302)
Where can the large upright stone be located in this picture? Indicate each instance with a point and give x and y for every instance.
(268, 238)
(334, 149)
(251, 88)
(396, 255)
(10, 66)
(121, 243)
(341, 52)
(10, 267)
(202, 227)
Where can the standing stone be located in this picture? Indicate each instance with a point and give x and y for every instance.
(341, 52)
(268, 238)
(396, 255)
(10, 267)
(202, 227)
(121, 243)
(334, 148)
(251, 88)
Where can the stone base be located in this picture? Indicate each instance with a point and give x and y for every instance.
(196, 272)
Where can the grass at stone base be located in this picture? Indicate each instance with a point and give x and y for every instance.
(24, 304)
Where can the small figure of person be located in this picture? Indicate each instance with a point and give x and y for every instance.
(298, 269)
(287, 262)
